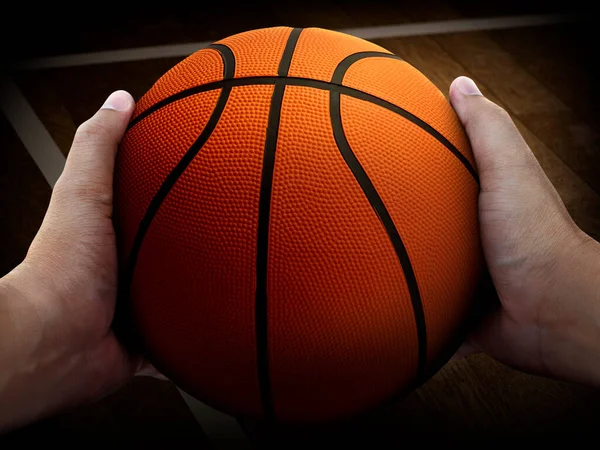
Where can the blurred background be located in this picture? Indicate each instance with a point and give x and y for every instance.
(536, 59)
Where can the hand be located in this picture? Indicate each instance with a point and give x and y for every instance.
(56, 307)
(546, 271)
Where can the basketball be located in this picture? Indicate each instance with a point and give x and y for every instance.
(296, 217)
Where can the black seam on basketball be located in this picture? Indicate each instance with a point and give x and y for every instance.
(317, 84)
(344, 65)
(384, 216)
(228, 60)
(169, 182)
(262, 245)
(338, 78)
(288, 52)
(264, 217)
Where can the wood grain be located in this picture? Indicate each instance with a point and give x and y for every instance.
(560, 58)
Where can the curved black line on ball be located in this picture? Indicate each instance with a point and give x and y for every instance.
(317, 84)
(338, 78)
(262, 245)
(386, 219)
(262, 242)
(172, 178)
(288, 52)
(228, 60)
(344, 65)
(231, 82)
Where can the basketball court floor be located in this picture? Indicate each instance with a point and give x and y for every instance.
(534, 61)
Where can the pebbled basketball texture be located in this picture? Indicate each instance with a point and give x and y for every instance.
(296, 214)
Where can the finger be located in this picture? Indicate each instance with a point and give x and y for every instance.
(499, 149)
(88, 173)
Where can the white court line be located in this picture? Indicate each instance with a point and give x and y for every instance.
(31, 131)
(379, 32)
(112, 56)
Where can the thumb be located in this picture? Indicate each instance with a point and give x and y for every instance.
(501, 153)
(88, 172)
(507, 167)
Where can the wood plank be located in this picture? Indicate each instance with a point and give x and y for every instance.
(465, 401)
(559, 58)
(543, 406)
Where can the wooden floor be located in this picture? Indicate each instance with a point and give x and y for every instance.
(544, 76)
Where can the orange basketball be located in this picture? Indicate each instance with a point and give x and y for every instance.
(296, 212)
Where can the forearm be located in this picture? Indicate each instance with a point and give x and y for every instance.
(44, 368)
(571, 332)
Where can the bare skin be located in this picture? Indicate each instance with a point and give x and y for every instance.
(545, 269)
(57, 349)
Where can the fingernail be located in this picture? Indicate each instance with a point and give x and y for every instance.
(467, 86)
(118, 100)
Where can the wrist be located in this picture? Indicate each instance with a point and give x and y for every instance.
(20, 330)
(570, 325)
(32, 365)
(45, 364)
